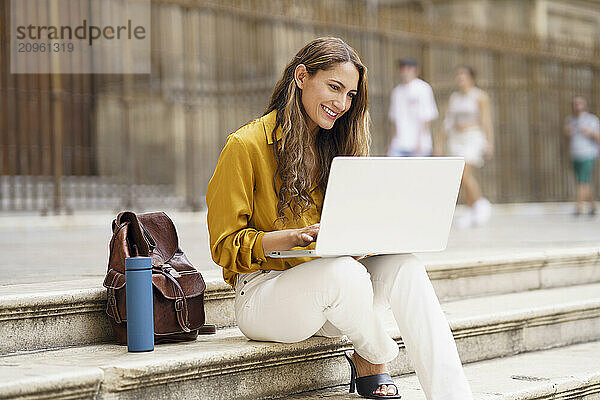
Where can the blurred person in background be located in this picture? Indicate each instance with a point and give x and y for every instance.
(412, 108)
(469, 133)
(583, 131)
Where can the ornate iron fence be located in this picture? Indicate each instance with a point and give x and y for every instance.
(145, 141)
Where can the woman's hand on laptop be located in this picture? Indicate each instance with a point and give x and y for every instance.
(289, 238)
(305, 236)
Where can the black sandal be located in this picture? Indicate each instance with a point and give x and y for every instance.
(366, 385)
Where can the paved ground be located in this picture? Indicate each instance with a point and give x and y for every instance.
(43, 249)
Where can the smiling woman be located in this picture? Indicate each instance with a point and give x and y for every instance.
(327, 96)
(321, 106)
(266, 194)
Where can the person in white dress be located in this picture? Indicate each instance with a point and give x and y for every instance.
(469, 132)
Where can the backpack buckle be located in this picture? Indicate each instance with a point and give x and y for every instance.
(179, 305)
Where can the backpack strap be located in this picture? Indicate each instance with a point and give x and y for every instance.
(181, 307)
(112, 301)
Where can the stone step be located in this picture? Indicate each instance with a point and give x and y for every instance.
(228, 365)
(571, 372)
(506, 272)
(69, 313)
(56, 314)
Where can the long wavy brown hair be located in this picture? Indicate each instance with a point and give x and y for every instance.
(349, 136)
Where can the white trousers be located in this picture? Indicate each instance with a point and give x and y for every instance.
(341, 296)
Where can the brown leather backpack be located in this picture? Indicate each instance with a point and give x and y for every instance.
(178, 288)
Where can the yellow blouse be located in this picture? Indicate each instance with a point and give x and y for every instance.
(242, 204)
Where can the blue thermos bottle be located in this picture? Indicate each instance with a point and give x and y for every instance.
(140, 315)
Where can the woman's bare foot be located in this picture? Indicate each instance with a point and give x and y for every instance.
(365, 368)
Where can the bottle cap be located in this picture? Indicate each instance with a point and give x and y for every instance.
(138, 263)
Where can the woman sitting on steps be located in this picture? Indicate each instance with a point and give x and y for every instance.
(266, 194)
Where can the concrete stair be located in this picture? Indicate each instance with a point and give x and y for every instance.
(229, 366)
(58, 314)
(571, 372)
(526, 321)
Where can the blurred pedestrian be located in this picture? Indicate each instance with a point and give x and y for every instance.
(469, 132)
(412, 108)
(583, 131)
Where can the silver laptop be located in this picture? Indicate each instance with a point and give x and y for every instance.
(386, 205)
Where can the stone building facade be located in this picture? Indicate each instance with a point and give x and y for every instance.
(577, 20)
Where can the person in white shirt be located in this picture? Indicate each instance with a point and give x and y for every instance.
(583, 131)
(412, 108)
